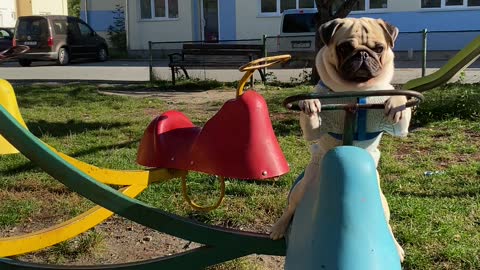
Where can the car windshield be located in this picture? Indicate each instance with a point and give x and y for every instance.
(32, 26)
(298, 23)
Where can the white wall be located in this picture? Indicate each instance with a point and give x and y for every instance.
(49, 7)
(8, 15)
(251, 25)
(141, 31)
(403, 5)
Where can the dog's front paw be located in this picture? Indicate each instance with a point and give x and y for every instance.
(310, 106)
(278, 229)
(395, 108)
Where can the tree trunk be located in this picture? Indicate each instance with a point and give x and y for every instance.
(325, 14)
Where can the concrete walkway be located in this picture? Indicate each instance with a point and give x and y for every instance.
(138, 71)
(402, 75)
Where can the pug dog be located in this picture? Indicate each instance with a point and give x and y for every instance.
(357, 56)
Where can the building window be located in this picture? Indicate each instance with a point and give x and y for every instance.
(276, 7)
(430, 3)
(454, 2)
(449, 3)
(378, 4)
(152, 9)
(363, 5)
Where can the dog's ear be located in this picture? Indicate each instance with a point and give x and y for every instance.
(327, 30)
(391, 32)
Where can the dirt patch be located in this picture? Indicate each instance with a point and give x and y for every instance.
(200, 97)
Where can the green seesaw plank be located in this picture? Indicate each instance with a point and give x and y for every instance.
(227, 240)
(198, 258)
(461, 60)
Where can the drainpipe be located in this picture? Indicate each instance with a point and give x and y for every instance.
(86, 10)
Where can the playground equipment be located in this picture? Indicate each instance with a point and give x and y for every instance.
(13, 52)
(87, 181)
(456, 64)
(342, 215)
(90, 182)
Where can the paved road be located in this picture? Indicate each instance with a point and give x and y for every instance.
(138, 71)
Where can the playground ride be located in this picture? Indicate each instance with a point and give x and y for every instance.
(89, 181)
(456, 64)
(331, 246)
(13, 52)
(342, 215)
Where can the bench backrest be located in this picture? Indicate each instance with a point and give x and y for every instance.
(223, 49)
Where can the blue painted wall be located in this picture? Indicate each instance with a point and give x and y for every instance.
(460, 20)
(99, 20)
(197, 34)
(227, 20)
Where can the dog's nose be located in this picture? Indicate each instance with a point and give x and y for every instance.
(363, 55)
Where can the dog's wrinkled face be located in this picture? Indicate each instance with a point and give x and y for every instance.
(359, 51)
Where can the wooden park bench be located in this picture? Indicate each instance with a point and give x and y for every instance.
(214, 55)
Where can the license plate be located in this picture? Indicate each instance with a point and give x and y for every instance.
(301, 44)
(30, 43)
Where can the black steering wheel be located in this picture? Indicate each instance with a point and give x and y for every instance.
(351, 109)
(413, 99)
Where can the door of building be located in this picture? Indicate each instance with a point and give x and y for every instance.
(209, 20)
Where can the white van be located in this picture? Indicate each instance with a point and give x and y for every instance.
(297, 30)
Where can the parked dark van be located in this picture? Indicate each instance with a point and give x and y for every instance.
(58, 38)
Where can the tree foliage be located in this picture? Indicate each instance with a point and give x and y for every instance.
(74, 8)
(116, 32)
(329, 10)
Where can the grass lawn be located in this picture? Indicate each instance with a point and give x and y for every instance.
(436, 218)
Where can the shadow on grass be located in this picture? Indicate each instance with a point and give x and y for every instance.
(286, 127)
(31, 166)
(71, 127)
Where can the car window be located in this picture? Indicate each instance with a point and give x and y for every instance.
(33, 27)
(60, 27)
(4, 34)
(85, 31)
(298, 23)
(73, 29)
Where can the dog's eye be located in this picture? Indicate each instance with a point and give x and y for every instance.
(378, 49)
(345, 48)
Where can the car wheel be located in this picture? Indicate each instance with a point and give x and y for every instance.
(25, 62)
(63, 57)
(102, 54)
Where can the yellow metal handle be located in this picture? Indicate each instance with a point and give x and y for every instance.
(250, 67)
(197, 207)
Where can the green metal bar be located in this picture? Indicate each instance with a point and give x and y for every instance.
(424, 58)
(107, 197)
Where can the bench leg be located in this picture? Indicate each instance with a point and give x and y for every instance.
(185, 72)
(262, 75)
(173, 75)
